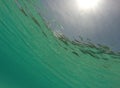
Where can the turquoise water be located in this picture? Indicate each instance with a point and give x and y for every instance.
(32, 57)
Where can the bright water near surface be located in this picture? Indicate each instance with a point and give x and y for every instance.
(32, 57)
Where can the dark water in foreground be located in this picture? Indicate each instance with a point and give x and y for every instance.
(31, 57)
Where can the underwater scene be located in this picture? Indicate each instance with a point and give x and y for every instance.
(32, 55)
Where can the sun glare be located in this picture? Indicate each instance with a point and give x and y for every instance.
(87, 4)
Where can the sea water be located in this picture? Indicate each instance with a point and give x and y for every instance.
(32, 56)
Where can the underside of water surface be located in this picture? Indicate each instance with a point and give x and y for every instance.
(32, 56)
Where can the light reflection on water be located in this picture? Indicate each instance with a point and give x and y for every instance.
(33, 56)
(101, 26)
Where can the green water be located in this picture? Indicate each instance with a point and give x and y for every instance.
(32, 57)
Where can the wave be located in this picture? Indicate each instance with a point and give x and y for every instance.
(33, 56)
